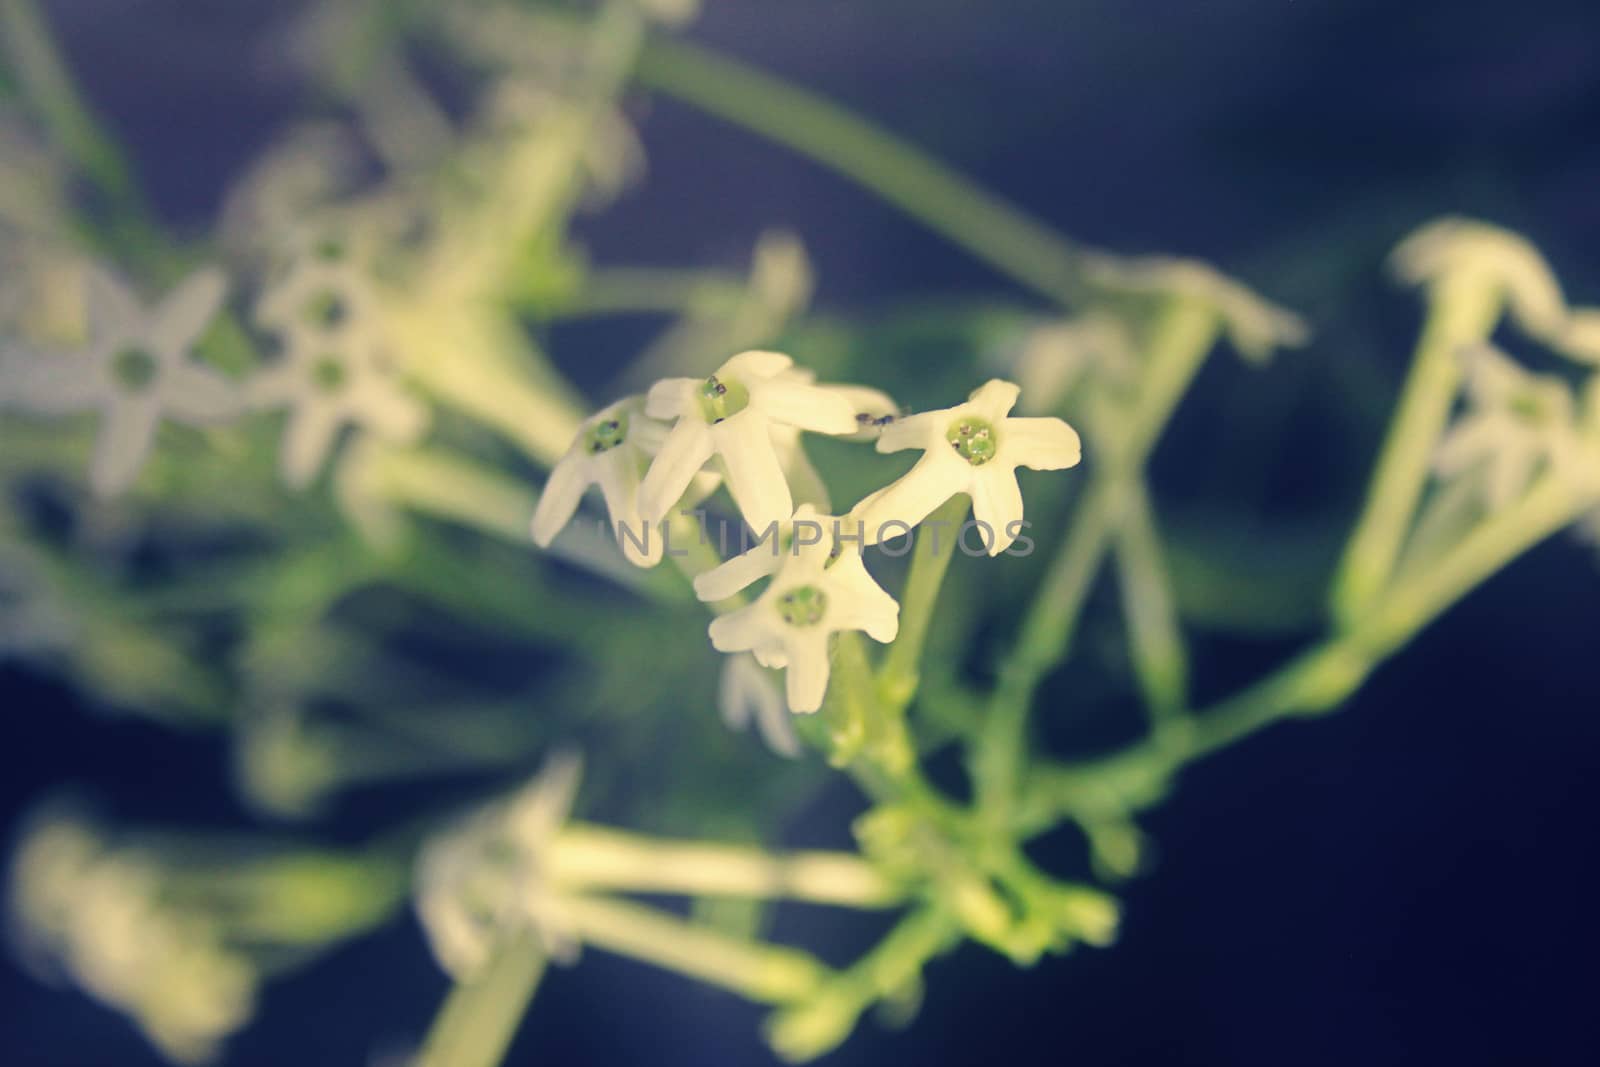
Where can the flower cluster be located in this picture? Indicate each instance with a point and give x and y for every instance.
(654, 455)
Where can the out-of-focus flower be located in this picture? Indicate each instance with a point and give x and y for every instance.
(731, 415)
(1459, 251)
(283, 764)
(484, 880)
(1517, 424)
(1580, 337)
(334, 371)
(612, 450)
(100, 914)
(613, 157)
(818, 588)
(1254, 327)
(41, 296)
(747, 692)
(136, 370)
(312, 166)
(1055, 359)
(973, 448)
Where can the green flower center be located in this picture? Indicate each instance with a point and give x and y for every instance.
(134, 369)
(803, 606)
(327, 309)
(1529, 407)
(327, 374)
(329, 250)
(607, 434)
(720, 399)
(973, 439)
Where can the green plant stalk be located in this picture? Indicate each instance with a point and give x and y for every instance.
(760, 972)
(588, 857)
(1184, 336)
(985, 226)
(1160, 659)
(899, 676)
(1463, 309)
(1315, 682)
(479, 1018)
(644, 290)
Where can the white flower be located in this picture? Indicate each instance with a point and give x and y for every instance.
(1451, 251)
(1517, 423)
(819, 587)
(973, 448)
(1580, 337)
(484, 880)
(611, 450)
(1254, 327)
(102, 915)
(334, 371)
(1056, 357)
(747, 691)
(731, 415)
(135, 371)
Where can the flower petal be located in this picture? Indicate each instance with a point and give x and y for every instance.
(755, 364)
(618, 474)
(859, 603)
(755, 477)
(50, 383)
(124, 441)
(738, 573)
(806, 677)
(1044, 444)
(194, 394)
(997, 502)
(185, 313)
(682, 454)
(751, 627)
(808, 407)
(924, 430)
(936, 478)
(673, 398)
(110, 306)
(804, 480)
(307, 439)
(995, 398)
(563, 491)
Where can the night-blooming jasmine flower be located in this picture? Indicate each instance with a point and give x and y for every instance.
(333, 371)
(1457, 252)
(483, 881)
(1056, 358)
(819, 587)
(612, 450)
(1254, 327)
(747, 691)
(1517, 423)
(135, 371)
(973, 448)
(731, 415)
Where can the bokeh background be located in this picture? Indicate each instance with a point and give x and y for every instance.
(1409, 881)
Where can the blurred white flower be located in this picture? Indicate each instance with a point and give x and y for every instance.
(1580, 337)
(731, 415)
(819, 587)
(334, 371)
(747, 692)
(1056, 358)
(613, 157)
(612, 450)
(973, 448)
(1254, 327)
(482, 881)
(283, 763)
(1517, 423)
(135, 371)
(1454, 252)
(101, 915)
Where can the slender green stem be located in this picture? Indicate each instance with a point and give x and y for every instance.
(985, 226)
(1463, 309)
(636, 290)
(936, 544)
(479, 1018)
(1317, 681)
(1160, 658)
(760, 972)
(598, 858)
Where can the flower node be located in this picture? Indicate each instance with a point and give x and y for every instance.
(804, 606)
(720, 399)
(607, 434)
(973, 439)
(134, 369)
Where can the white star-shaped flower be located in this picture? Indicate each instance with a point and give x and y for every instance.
(1517, 423)
(482, 881)
(612, 450)
(731, 416)
(334, 371)
(819, 586)
(135, 371)
(973, 448)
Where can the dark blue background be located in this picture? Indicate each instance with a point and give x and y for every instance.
(1409, 881)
